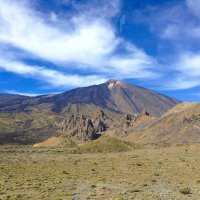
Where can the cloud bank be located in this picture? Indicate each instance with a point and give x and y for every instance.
(81, 42)
(82, 46)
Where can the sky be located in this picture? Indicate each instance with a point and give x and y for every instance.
(51, 46)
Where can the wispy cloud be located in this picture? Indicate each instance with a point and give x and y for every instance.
(52, 77)
(177, 26)
(87, 41)
(21, 93)
(85, 48)
(194, 5)
(188, 71)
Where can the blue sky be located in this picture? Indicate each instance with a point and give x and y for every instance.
(50, 46)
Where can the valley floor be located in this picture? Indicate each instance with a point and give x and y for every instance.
(52, 174)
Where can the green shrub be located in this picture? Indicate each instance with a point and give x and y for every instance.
(185, 190)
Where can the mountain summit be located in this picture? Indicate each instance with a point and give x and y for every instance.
(117, 96)
(133, 99)
(82, 113)
(114, 95)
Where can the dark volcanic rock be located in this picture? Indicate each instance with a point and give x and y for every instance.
(80, 127)
(100, 126)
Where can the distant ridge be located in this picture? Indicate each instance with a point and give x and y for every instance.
(82, 113)
(114, 95)
(10, 99)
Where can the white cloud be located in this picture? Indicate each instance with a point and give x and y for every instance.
(22, 93)
(180, 83)
(178, 28)
(23, 28)
(89, 43)
(171, 31)
(134, 66)
(52, 77)
(98, 9)
(187, 75)
(172, 21)
(189, 64)
(194, 5)
(86, 44)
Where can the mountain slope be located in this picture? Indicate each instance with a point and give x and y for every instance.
(133, 99)
(82, 113)
(10, 99)
(114, 95)
(180, 125)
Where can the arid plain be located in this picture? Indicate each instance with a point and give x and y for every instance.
(140, 173)
(111, 141)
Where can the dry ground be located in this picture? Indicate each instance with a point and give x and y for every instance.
(53, 174)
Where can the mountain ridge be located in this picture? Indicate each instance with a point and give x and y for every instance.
(83, 113)
(114, 95)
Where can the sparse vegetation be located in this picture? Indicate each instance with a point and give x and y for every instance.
(185, 190)
(45, 174)
(106, 145)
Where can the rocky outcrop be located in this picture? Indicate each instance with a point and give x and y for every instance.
(72, 122)
(127, 123)
(82, 128)
(84, 113)
(100, 115)
(100, 126)
(85, 130)
(101, 121)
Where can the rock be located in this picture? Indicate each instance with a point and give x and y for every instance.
(100, 126)
(100, 115)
